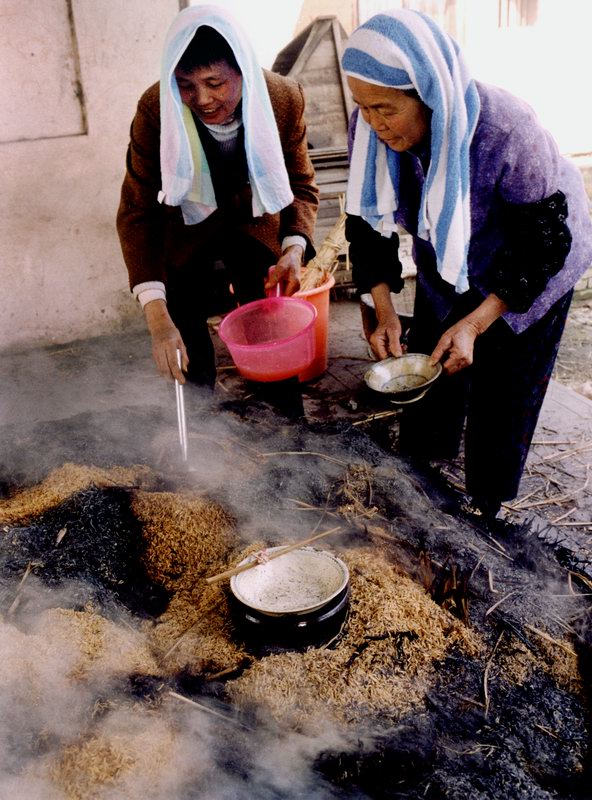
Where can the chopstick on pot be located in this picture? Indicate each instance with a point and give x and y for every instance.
(181, 420)
(254, 563)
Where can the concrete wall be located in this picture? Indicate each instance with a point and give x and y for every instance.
(73, 71)
(62, 272)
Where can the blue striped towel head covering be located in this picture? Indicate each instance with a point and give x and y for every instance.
(186, 179)
(405, 49)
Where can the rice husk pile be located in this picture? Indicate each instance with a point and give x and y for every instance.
(195, 634)
(32, 655)
(106, 650)
(132, 756)
(77, 646)
(363, 676)
(557, 658)
(66, 481)
(380, 668)
(516, 663)
(187, 538)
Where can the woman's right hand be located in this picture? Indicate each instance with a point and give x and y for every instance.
(386, 339)
(166, 341)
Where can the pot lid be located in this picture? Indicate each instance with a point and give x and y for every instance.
(298, 582)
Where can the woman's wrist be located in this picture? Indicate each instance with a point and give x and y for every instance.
(491, 309)
(383, 305)
(156, 315)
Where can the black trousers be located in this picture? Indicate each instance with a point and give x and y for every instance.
(496, 401)
(201, 289)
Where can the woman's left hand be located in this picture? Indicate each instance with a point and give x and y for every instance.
(458, 342)
(287, 271)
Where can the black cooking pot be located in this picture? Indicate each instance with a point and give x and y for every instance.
(295, 600)
(260, 631)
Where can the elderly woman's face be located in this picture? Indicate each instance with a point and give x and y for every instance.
(213, 92)
(400, 121)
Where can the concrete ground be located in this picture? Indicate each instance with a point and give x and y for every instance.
(100, 374)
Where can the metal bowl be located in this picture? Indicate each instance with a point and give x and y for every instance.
(404, 379)
(298, 582)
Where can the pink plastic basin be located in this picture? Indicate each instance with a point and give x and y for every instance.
(271, 339)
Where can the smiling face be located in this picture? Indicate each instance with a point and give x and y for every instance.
(400, 121)
(212, 93)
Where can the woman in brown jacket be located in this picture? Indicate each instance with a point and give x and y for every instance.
(219, 187)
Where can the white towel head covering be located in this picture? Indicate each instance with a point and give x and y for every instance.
(405, 49)
(186, 179)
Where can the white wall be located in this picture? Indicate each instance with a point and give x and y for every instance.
(269, 24)
(546, 64)
(62, 272)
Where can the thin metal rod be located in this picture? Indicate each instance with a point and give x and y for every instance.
(181, 421)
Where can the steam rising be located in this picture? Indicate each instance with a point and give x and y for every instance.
(89, 704)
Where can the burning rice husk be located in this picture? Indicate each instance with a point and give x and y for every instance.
(195, 634)
(186, 537)
(517, 663)
(127, 757)
(66, 481)
(383, 665)
(385, 660)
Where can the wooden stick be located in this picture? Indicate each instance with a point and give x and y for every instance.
(586, 581)
(554, 441)
(179, 640)
(60, 535)
(372, 417)
(490, 578)
(486, 674)
(207, 709)
(565, 453)
(562, 498)
(548, 731)
(500, 601)
(254, 563)
(304, 453)
(563, 516)
(550, 639)
(516, 506)
(499, 552)
(587, 524)
(17, 598)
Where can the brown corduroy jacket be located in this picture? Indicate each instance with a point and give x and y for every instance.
(155, 240)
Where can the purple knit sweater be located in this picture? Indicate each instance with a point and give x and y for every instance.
(514, 160)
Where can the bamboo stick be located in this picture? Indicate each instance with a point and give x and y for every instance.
(254, 563)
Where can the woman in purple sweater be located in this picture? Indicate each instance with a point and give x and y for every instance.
(501, 230)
